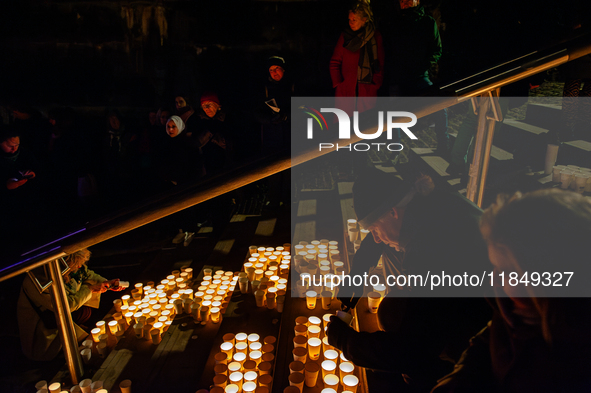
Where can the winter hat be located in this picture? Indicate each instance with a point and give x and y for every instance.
(276, 61)
(375, 192)
(180, 124)
(211, 97)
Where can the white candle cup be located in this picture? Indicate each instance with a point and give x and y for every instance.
(241, 337)
(565, 179)
(220, 369)
(102, 349)
(138, 328)
(300, 341)
(241, 347)
(85, 385)
(328, 390)
(331, 354)
(326, 298)
(297, 380)
(271, 300)
(220, 380)
(41, 385)
(204, 313)
(125, 386)
(96, 386)
(311, 299)
(255, 356)
(102, 325)
(55, 387)
(195, 307)
(314, 345)
(345, 368)
(279, 302)
(312, 369)
(249, 387)
(373, 302)
(260, 298)
(301, 330)
(350, 383)
(85, 354)
(300, 354)
(236, 378)
(222, 358)
(581, 182)
(331, 381)
(113, 327)
(243, 284)
(239, 357)
(228, 349)
(215, 314)
(353, 234)
(232, 388)
(551, 155)
(296, 367)
(250, 376)
(363, 233)
(96, 332)
(155, 336)
(314, 332)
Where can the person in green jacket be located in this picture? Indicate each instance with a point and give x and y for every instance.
(38, 331)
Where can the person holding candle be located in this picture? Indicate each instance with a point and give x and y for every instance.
(535, 342)
(37, 324)
(415, 228)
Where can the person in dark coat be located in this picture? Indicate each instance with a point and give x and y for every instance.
(357, 63)
(179, 158)
(213, 133)
(535, 342)
(185, 110)
(413, 49)
(274, 112)
(415, 229)
(21, 190)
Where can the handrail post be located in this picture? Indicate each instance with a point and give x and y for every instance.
(65, 324)
(488, 106)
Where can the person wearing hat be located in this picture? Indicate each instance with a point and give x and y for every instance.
(212, 135)
(414, 228)
(274, 109)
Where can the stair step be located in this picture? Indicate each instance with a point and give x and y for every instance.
(575, 153)
(545, 115)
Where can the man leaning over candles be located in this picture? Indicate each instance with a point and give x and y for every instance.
(414, 228)
(37, 322)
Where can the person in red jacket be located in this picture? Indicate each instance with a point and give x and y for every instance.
(357, 63)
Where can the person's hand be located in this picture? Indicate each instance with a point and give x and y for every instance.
(337, 331)
(113, 285)
(98, 288)
(347, 299)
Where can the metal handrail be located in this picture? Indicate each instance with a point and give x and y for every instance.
(175, 201)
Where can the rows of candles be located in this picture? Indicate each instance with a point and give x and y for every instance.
(150, 309)
(244, 364)
(267, 272)
(319, 259)
(314, 357)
